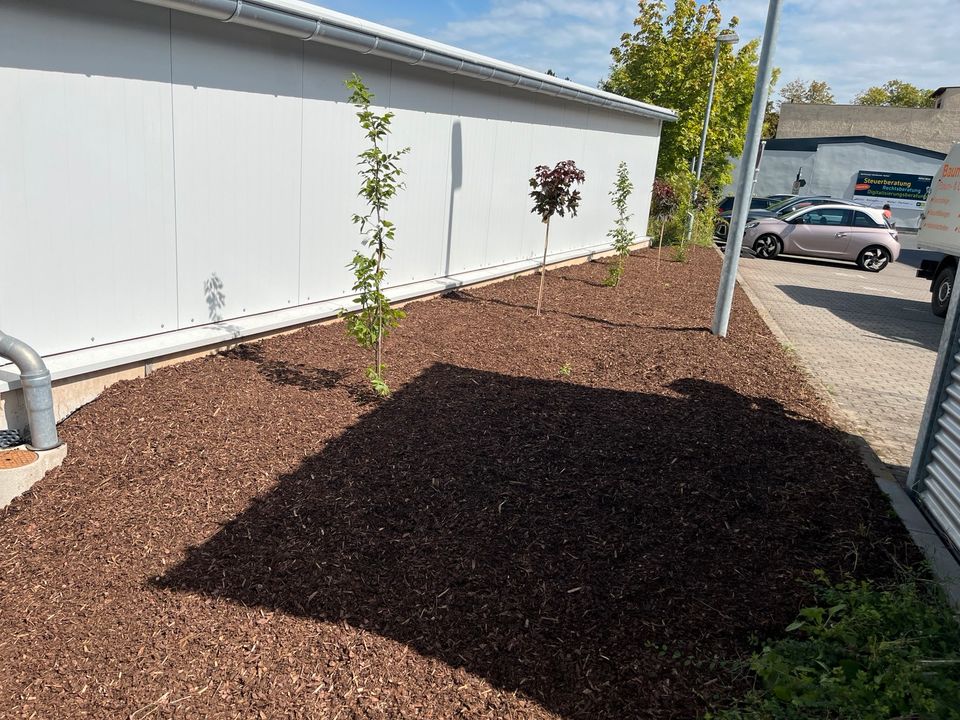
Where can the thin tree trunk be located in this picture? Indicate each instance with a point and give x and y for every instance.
(543, 267)
(660, 247)
(378, 355)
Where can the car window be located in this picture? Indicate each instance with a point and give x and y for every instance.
(794, 206)
(759, 203)
(798, 204)
(782, 204)
(861, 219)
(825, 216)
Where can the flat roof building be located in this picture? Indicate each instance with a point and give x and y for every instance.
(933, 128)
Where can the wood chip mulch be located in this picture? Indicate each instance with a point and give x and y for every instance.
(252, 535)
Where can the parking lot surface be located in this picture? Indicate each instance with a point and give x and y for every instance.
(869, 338)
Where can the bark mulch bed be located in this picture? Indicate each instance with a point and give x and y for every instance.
(252, 535)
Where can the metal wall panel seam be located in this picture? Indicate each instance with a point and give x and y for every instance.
(173, 178)
(303, 69)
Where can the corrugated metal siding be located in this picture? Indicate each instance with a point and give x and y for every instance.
(940, 494)
(168, 170)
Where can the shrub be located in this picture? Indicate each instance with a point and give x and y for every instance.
(862, 652)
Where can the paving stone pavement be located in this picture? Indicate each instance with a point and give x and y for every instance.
(869, 338)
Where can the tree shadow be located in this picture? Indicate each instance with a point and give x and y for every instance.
(897, 319)
(215, 297)
(456, 184)
(585, 281)
(593, 549)
(281, 372)
(467, 297)
(820, 262)
(308, 378)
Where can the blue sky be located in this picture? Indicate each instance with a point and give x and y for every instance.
(852, 44)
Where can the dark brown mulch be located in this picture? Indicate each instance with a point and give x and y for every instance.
(251, 535)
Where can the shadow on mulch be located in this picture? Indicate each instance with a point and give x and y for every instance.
(594, 549)
(461, 296)
(281, 372)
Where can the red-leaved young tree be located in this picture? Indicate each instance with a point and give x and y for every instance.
(553, 194)
(663, 204)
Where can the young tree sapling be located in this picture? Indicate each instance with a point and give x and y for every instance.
(553, 194)
(622, 236)
(380, 181)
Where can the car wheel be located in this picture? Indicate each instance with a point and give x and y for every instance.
(942, 287)
(767, 246)
(873, 258)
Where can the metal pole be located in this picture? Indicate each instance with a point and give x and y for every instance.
(706, 118)
(741, 202)
(703, 142)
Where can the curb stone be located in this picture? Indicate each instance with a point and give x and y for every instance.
(942, 562)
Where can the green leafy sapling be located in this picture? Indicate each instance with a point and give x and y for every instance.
(623, 237)
(553, 194)
(380, 178)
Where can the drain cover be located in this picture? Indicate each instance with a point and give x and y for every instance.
(10, 459)
(9, 439)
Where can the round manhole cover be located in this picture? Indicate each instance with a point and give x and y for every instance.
(10, 459)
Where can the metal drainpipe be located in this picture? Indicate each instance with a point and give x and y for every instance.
(37, 391)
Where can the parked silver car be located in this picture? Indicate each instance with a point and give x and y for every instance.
(837, 232)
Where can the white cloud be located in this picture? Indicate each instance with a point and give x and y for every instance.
(572, 38)
(851, 44)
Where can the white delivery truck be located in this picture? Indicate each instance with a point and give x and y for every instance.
(940, 231)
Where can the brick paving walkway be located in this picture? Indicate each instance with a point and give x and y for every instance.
(869, 338)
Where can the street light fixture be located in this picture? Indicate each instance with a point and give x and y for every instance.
(725, 37)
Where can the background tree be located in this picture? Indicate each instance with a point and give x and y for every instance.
(816, 92)
(379, 182)
(771, 120)
(795, 91)
(895, 93)
(553, 194)
(667, 61)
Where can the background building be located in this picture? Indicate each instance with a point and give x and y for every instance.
(935, 128)
(831, 166)
(177, 175)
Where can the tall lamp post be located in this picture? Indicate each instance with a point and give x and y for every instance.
(741, 195)
(726, 37)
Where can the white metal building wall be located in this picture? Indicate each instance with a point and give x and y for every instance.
(162, 171)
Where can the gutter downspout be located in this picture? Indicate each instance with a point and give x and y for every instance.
(37, 391)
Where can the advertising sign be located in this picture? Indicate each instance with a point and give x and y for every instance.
(940, 223)
(876, 189)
